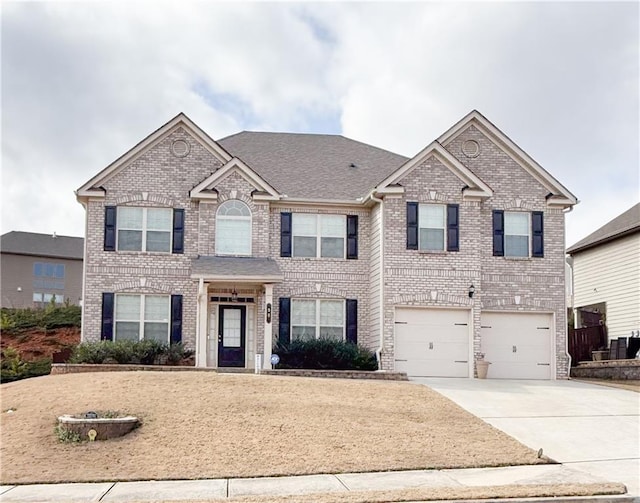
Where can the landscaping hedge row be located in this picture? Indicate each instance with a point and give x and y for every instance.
(324, 354)
(52, 316)
(13, 368)
(146, 352)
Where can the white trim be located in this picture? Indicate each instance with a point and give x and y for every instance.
(200, 191)
(236, 219)
(91, 188)
(475, 184)
(559, 191)
(317, 315)
(318, 235)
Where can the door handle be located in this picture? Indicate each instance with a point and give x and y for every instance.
(220, 338)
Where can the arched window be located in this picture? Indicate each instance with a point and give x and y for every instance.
(233, 228)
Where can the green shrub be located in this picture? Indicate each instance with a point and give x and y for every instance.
(48, 318)
(146, 352)
(324, 354)
(13, 368)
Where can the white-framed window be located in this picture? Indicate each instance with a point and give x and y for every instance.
(318, 235)
(432, 220)
(139, 317)
(233, 228)
(517, 228)
(144, 229)
(320, 318)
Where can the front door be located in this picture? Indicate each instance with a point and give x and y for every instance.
(231, 336)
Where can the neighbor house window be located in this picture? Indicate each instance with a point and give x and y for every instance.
(516, 234)
(313, 319)
(144, 229)
(432, 221)
(319, 235)
(233, 228)
(48, 276)
(46, 298)
(140, 317)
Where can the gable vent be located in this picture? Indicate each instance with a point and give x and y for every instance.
(180, 148)
(471, 148)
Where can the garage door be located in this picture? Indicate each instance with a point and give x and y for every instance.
(432, 342)
(518, 345)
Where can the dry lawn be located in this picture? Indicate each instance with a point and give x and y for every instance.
(208, 425)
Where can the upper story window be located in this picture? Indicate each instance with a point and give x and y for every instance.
(312, 235)
(432, 227)
(318, 235)
(144, 229)
(432, 223)
(233, 228)
(518, 234)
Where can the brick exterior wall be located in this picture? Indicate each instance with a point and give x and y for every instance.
(158, 178)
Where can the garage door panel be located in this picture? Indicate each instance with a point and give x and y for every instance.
(432, 342)
(518, 345)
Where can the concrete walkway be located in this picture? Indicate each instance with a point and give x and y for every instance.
(222, 489)
(590, 428)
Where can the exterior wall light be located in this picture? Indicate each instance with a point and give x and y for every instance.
(472, 290)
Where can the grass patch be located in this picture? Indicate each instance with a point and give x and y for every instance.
(226, 425)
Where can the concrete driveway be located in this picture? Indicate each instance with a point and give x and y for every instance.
(591, 428)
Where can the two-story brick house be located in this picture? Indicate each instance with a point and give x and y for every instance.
(431, 261)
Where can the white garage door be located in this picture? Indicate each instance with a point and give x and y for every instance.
(432, 342)
(518, 345)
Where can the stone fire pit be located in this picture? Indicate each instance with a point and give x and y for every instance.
(91, 426)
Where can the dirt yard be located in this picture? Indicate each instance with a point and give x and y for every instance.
(208, 425)
(36, 344)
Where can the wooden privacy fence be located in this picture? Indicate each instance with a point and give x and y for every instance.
(584, 340)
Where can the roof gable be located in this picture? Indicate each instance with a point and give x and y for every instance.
(92, 187)
(623, 225)
(558, 194)
(206, 188)
(475, 187)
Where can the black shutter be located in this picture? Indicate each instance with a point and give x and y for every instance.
(285, 234)
(453, 228)
(178, 231)
(352, 236)
(110, 228)
(285, 320)
(352, 320)
(412, 226)
(176, 319)
(498, 233)
(537, 233)
(106, 333)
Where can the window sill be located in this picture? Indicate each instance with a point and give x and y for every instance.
(323, 259)
(433, 252)
(145, 253)
(518, 259)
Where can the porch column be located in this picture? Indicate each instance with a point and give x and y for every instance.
(201, 325)
(268, 326)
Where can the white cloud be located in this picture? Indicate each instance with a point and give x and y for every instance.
(84, 82)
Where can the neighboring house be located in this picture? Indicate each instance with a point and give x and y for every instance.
(231, 245)
(606, 276)
(38, 268)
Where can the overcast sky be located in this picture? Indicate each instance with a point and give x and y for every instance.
(83, 82)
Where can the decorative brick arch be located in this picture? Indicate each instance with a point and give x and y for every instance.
(137, 197)
(143, 285)
(319, 291)
(433, 299)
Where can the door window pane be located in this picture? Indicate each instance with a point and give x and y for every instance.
(231, 333)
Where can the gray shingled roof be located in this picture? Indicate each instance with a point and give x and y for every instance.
(620, 226)
(45, 245)
(313, 166)
(235, 267)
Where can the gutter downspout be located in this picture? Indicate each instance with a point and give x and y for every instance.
(378, 351)
(566, 325)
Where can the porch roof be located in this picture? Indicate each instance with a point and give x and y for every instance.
(237, 269)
